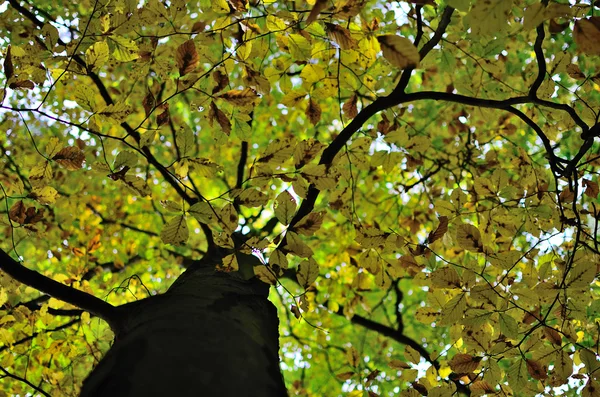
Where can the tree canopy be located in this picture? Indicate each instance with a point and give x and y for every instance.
(418, 178)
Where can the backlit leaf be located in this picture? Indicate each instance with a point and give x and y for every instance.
(187, 57)
(175, 231)
(399, 51)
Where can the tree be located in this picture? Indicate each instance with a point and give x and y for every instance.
(413, 184)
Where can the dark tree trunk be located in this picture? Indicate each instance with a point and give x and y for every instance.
(211, 334)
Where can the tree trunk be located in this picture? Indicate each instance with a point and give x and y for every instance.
(211, 334)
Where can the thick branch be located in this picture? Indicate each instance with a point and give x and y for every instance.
(78, 298)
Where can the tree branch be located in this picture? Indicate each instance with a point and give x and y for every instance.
(75, 297)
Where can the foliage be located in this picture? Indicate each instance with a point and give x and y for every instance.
(419, 178)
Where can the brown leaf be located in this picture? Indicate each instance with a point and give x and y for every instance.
(17, 212)
(244, 97)
(163, 118)
(319, 6)
(591, 188)
(553, 336)
(148, 103)
(309, 224)
(536, 370)
(221, 79)
(187, 57)
(556, 27)
(439, 232)
(341, 36)
(296, 311)
(70, 157)
(587, 35)
(313, 111)
(22, 84)
(464, 363)
(350, 109)
(214, 113)
(9, 70)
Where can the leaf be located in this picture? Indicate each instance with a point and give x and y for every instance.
(184, 139)
(265, 275)
(125, 50)
(214, 113)
(97, 55)
(71, 158)
(349, 108)
(175, 231)
(399, 51)
(319, 6)
(517, 374)
(187, 58)
(411, 355)
(277, 152)
(581, 275)
(536, 370)
(313, 111)
(587, 35)
(295, 244)
(464, 363)
(252, 198)
(9, 69)
(285, 207)
(454, 309)
(341, 36)
(591, 188)
(278, 258)
(309, 224)
(44, 195)
(352, 357)
(245, 97)
(489, 17)
(41, 174)
(202, 212)
(439, 232)
(509, 326)
(308, 271)
(228, 216)
(445, 277)
(469, 238)
(116, 112)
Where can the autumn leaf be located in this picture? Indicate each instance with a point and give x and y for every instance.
(309, 224)
(70, 157)
(244, 97)
(313, 111)
(341, 36)
(350, 109)
(587, 35)
(399, 51)
(464, 363)
(187, 58)
(217, 114)
(536, 370)
(9, 69)
(439, 232)
(319, 6)
(591, 188)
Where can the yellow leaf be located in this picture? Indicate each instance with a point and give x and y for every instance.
(228, 216)
(489, 17)
(220, 6)
(278, 151)
(399, 51)
(125, 50)
(230, 263)
(293, 98)
(44, 195)
(275, 24)
(412, 355)
(295, 244)
(352, 356)
(312, 73)
(278, 258)
(454, 309)
(252, 198)
(299, 47)
(445, 277)
(41, 174)
(53, 146)
(175, 231)
(97, 55)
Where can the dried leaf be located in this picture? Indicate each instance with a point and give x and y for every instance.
(439, 232)
(349, 108)
(587, 35)
(341, 36)
(187, 57)
(464, 363)
(313, 111)
(214, 113)
(71, 158)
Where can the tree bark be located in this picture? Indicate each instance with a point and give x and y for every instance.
(211, 334)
